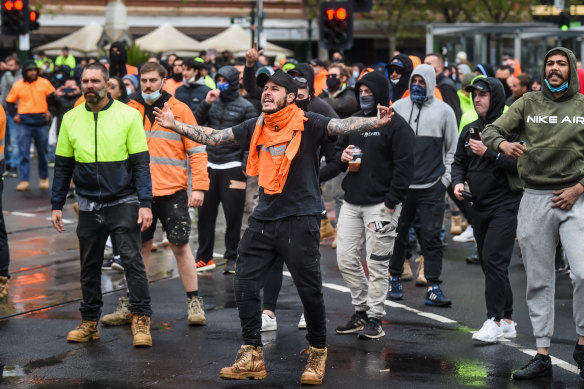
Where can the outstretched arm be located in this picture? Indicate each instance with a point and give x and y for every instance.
(201, 134)
(360, 124)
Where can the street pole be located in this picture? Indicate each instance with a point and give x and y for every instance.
(309, 51)
(252, 22)
(261, 40)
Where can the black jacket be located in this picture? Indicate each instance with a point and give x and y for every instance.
(344, 103)
(404, 82)
(192, 95)
(447, 88)
(60, 105)
(487, 176)
(227, 111)
(387, 165)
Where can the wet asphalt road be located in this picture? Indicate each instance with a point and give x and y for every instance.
(424, 347)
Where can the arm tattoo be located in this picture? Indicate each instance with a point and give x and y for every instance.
(351, 125)
(205, 135)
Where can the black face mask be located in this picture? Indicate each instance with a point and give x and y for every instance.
(303, 104)
(177, 77)
(333, 83)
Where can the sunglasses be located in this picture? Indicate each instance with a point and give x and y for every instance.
(391, 70)
(333, 76)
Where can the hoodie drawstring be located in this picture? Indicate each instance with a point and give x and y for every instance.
(417, 121)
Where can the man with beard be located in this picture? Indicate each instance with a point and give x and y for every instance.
(102, 145)
(32, 118)
(282, 145)
(550, 161)
(175, 79)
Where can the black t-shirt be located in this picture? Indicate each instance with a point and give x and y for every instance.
(301, 193)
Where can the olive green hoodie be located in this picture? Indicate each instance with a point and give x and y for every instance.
(553, 132)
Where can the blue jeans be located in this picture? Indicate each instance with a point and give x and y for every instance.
(25, 136)
(11, 151)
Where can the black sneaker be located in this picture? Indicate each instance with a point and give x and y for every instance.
(229, 267)
(539, 366)
(473, 259)
(355, 323)
(579, 358)
(372, 329)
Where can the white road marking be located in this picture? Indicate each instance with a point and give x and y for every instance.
(23, 214)
(442, 319)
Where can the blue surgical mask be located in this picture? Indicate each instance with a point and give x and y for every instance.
(59, 76)
(418, 93)
(129, 91)
(557, 89)
(355, 74)
(367, 103)
(223, 86)
(151, 97)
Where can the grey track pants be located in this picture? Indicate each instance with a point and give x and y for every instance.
(540, 227)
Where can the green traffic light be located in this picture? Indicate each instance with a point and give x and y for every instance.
(564, 27)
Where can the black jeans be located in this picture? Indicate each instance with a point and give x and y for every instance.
(494, 230)
(296, 240)
(429, 204)
(273, 284)
(120, 222)
(4, 252)
(227, 186)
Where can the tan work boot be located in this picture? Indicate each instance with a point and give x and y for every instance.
(334, 244)
(44, 183)
(121, 316)
(407, 274)
(196, 312)
(141, 331)
(84, 332)
(249, 363)
(3, 286)
(420, 278)
(456, 225)
(315, 367)
(326, 229)
(22, 186)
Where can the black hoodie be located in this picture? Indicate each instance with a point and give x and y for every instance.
(387, 165)
(118, 61)
(486, 175)
(229, 110)
(403, 85)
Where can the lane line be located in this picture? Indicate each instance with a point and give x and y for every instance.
(445, 320)
(25, 214)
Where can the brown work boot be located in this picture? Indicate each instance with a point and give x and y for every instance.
(44, 183)
(84, 332)
(326, 229)
(456, 225)
(249, 363)
(141, 331)
(315, 367)
(22, 186)
(420, 278)
(196, 311)
(407, 274)
(121, 316)
(3, 286)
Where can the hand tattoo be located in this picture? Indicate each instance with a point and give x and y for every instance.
(205, 135)
(351, 125)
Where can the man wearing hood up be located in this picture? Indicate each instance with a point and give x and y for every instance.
(550, 160)
(434, 125)
(223, 108)
(282, 151)
(494, 206)
(399, 70)
(372, 206)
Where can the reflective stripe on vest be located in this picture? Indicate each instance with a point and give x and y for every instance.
(163, 135)
(196, 150)
(169, 161)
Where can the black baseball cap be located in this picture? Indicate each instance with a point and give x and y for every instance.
(317, 62)
(281, 78)
(481, 85)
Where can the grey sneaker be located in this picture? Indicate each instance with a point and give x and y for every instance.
(355, 323)
(196, 311)
(372, 329)
(121, 316)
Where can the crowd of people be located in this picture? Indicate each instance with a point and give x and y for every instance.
(403, 141)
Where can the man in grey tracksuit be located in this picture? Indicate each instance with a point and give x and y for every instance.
(434, 125)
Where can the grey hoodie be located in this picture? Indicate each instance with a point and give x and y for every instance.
(434, 124)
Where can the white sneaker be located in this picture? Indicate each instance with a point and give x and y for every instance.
(508, 329)
(268, 324)
(466, 236)
(302, 323)
(489, 332)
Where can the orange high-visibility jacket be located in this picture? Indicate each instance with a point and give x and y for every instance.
(169, 152)
(31, 96)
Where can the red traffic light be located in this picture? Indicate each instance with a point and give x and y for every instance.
(336, 14)
(33, 16)
(18, 5)
(8, 5)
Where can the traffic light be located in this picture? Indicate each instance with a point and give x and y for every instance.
(33, 20)
(14, 17)
(336, 25)
(564, 20)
